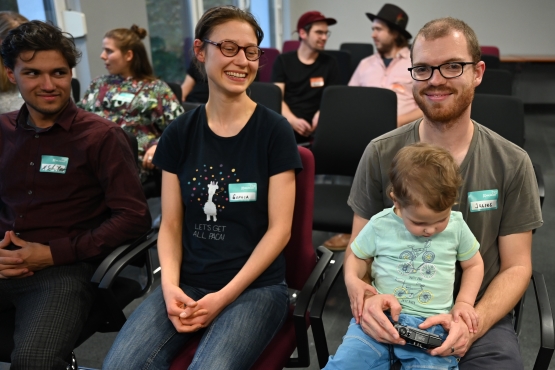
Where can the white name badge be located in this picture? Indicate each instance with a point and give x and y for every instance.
(485, 200)
(245, 192)
(53, 164)
(124, 97)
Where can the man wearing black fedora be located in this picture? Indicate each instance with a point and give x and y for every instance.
(388, 67)
(303, 74)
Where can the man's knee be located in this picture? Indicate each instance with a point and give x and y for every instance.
(38, 359)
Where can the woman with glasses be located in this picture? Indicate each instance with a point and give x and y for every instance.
(228, 190)
(132, 97)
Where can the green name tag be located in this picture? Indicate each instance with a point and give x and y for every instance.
(242, 192)
(485, 200)
(124, 97)
(53, 164)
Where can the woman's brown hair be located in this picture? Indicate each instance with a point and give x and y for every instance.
(130, 39)
(8, 21)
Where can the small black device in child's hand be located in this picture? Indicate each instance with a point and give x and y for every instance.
(417, 337)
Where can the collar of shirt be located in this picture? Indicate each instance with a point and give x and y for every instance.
(403, 53)
(64, 120)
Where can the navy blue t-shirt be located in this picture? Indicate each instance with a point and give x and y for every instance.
(224, 187)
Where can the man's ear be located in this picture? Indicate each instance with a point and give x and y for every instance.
(199, 50)
(11, 75)
(303, 34)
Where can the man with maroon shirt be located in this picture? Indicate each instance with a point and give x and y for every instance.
(69, 195)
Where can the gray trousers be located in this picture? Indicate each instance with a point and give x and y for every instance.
(497, 349)
(50, 309)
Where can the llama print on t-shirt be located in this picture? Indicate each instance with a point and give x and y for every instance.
(209, 206)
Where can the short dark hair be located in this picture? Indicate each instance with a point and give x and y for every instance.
(424, 174)
(219, 15)
(38, 36)
(130, 39)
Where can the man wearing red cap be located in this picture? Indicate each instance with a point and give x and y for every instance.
(388, 68)
(302, 75)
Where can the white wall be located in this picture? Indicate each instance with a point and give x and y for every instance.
(515, 26)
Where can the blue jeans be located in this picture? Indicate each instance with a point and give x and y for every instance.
(360, 351)
(234, 340)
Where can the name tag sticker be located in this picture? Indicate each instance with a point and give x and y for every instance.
(485, 200)
(242, 192)
(317, 82)
(124, 97)
(53, 164)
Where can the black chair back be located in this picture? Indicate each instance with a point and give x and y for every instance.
(491, 61)
(358, 51)
(344, 60)
(350, 117)
(266, 94)
(176, 88)
(75, 89)
(502, 114)
(496, 81)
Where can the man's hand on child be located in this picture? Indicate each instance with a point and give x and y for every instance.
(358, 291)
(468, 314)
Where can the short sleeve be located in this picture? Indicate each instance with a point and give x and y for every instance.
(283, 154)
(168, 152)
(468, 244)
(278, 71)
(366, 197)
(364, 245)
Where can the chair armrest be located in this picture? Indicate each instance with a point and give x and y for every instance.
(539, 178)
(301, 309)
(116, 254)
(318, 308)
(134, 252)
(546, 323)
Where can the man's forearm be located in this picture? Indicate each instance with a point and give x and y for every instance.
(501, 296)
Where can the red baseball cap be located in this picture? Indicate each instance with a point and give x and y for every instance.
(311, 17)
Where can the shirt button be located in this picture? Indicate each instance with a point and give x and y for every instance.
(30, 192)
(32, 163)
(36, 136)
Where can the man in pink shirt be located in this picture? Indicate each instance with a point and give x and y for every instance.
(388, 68)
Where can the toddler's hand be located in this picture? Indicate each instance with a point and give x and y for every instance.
(468, 314)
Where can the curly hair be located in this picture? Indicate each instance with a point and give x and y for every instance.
(38, 36)
(424, 174)
(8, 21)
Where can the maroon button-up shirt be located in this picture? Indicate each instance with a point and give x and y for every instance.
(74, 187)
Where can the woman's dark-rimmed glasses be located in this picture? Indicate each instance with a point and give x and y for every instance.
(447, 70)
(231, 49)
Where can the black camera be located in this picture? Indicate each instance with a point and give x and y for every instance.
(417, 337)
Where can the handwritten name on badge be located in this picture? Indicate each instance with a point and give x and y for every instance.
(53, 164)
(245, 192)
(485, 200)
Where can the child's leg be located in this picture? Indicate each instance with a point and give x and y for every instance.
(359, 351)
(415, 358)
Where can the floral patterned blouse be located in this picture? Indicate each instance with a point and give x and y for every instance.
(143, 108)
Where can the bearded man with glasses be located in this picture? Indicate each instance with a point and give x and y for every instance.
(303, 74)
(446, 69)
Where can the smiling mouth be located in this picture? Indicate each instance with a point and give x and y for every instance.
(235, 74)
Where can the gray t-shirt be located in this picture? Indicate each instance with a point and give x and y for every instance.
(498, 183)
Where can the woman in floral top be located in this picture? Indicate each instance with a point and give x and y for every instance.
(130, 95)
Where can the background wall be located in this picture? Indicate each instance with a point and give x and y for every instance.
(515, 26)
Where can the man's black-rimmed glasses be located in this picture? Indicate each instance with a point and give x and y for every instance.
(231, 49)
(447, 70)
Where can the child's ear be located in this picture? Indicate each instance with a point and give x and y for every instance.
(392, 196)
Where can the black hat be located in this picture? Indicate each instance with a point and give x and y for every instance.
(394, 17)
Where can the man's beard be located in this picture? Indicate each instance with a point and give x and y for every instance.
(385, 48)
(439, 113)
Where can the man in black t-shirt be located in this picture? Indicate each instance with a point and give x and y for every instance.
(302, 75)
